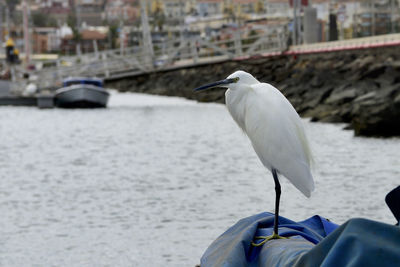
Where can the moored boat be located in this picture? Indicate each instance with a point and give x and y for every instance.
(82, 92)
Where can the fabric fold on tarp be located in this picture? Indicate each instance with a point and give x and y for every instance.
(313, 242)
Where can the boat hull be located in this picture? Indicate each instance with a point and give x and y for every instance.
(81, 96)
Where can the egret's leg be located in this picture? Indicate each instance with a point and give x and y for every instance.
(276, 223)
(277, 200)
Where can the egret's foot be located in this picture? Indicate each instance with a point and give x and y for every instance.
(266, 239)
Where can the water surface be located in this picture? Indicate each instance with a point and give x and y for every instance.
(152, 181)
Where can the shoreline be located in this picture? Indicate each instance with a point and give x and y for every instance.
(360, 88)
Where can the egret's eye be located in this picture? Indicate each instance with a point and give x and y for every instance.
(236, 79)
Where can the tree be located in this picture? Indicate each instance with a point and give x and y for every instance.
(113, 35)
(71, 22)
(43, 20)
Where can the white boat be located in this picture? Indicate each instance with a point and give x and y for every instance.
(82, 92)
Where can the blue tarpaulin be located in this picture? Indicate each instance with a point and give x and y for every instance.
(313, 242)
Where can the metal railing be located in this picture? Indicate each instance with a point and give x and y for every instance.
(356, 43)
(167, 55)
(189, 52)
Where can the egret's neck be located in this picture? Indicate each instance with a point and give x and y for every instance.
(236, 102)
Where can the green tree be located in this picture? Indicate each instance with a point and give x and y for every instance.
(43, 20)
(71, 22)
(113, 35)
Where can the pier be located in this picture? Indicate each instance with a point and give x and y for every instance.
(180, 54)
(117, 64)
(175, 54)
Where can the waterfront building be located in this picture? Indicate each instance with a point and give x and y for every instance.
(206, 8)
(45, 40)
(57, 9)
(376, 17)
(278, 9)
(121, 10)
(90, 11)
(87, 39)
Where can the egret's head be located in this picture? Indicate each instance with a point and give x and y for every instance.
(232, 81)
(244, 78)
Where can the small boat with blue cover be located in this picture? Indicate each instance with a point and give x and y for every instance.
(313, 242)
(82, 92)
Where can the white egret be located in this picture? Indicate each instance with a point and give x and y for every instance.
(274, 129)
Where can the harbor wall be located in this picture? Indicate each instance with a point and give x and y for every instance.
(358, 87)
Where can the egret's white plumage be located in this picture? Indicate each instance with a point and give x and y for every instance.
(273, 127)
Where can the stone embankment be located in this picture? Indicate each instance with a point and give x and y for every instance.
(361, 88)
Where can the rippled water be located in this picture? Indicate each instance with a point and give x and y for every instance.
(152, 181)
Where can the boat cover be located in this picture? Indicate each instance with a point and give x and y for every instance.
(313, 242)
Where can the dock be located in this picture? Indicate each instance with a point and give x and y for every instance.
(9, 98)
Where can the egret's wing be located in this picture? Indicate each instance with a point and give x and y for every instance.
(277, 135)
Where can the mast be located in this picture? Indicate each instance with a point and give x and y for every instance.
(1, 22)
(26, 33)
(147, 43)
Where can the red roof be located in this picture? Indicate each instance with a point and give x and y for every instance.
(89, 35)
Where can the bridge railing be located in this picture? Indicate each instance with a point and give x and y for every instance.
(174, 53)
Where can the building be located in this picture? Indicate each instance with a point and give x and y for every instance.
(58, 9)
(245, 6)
(45, 40)
(120, 10)
(88, 38)
(90, 12)
(278, 9)
(206, 8)
(375, 18)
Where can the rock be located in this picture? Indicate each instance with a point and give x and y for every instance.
(374, 71)
(364, 97)
(332, 119)
(388, 78)
(319, 113)
(342, 97)
(317, 81)
(346, 112)
(313, 98)
(397, 100)
(377, 120)
(387, 92)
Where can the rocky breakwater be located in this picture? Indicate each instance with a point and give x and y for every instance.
(361, 88)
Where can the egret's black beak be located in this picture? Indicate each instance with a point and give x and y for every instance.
(217, 84)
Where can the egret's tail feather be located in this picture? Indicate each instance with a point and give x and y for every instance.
(301, 178)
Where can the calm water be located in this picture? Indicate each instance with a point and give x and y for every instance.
(152, 181)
